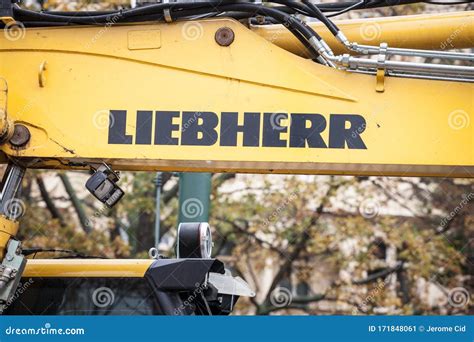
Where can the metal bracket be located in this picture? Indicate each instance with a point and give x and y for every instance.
(13, 262)
(381, 68)
(11, 270)
(41, 74)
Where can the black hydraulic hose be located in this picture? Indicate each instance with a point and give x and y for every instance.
(314, 54)
(79, 13)
(41, 23)
(339, 6)
(297, 6)
(285, 19)
(335, 6)
(359, 5)
(95, 13)
(87, 17)
(319, 15)
(308, 8)
(122, 14)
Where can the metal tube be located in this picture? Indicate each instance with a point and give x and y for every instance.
(429, 77)
(415, 52)
(10, 185)
(432, 68)
(444, 69)
(157, 210)
(419, 76)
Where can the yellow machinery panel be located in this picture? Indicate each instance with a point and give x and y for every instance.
(168, 97)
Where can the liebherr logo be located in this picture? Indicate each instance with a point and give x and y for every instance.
(187, 128)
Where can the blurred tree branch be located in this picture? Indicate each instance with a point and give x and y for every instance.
(76, 203)
(48, 201)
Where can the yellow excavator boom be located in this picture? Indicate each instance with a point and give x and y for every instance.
(128, 95)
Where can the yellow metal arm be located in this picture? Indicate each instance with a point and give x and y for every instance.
(168, 97)
(6, 126)
(95, 268)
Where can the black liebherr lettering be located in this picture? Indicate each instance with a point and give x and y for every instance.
(283, 130)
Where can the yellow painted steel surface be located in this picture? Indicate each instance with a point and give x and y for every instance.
(97, 268)
(426, 31)
(8, 228)
(415, 127)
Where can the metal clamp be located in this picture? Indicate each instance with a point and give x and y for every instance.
(381, 68)
(167, 12)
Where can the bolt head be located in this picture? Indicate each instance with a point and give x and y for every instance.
(21, 136)
(224, 36)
